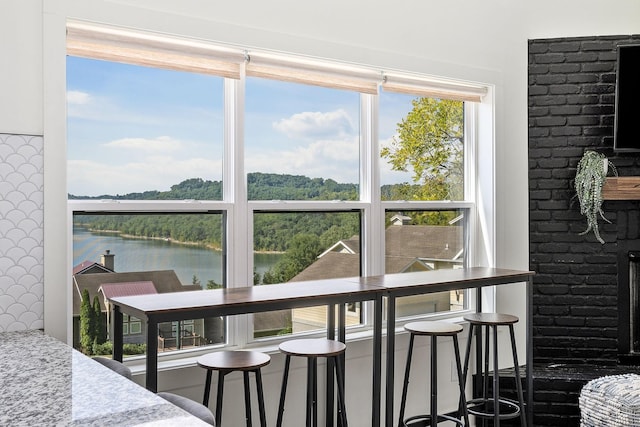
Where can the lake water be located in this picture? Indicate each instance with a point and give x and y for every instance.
(144, 254)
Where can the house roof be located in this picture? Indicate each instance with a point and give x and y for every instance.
(163, 280)
(351, 246)
(400, 219)
(90, 267)
(125, 289)
(424, 241)
(331, 265)
(407, 248)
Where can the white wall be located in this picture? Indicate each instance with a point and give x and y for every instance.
(21, 70)
(473, 40)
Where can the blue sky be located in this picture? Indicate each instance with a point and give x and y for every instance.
(134, 128)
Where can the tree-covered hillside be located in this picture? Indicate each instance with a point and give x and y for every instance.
(261, 186)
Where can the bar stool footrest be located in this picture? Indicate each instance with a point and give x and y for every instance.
(484, 408)
(425, 420)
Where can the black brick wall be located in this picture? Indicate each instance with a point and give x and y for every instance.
(571, 109)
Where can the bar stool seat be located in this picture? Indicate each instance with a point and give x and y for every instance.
(312, 349)
(494, 407)
(433, 329)
(226, 362)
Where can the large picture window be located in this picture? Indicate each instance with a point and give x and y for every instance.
(197, 166)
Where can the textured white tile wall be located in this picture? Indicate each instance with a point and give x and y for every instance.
(21, 232)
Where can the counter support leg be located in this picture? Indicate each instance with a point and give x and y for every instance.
(529, 362)
(117, 333)
(391, 328)
(331, 334)
(152, 355)
(377, 362)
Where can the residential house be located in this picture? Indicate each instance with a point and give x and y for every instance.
(103, 284)
(408, 248)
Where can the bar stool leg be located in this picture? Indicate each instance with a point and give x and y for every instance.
(283, 390)
(485, 374)
(496, 377)
(263, 417)
(463, 404)
(207, 389)
(221, 375)
(247, 399)
(434, 380)
(405, 386)
(330, 391)
(467, 353)
(314, 390)
(310, 394)
(523, 420)
(342, 407)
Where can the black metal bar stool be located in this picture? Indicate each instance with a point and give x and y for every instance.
(312, 349)
(226, 362)
(493, 407)
(433, 330)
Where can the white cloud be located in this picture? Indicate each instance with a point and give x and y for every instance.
(316, 124)
(85, 105)
(76, 97)
(332, 158)
(326, 146)
(159, 144)
(106, 109)
(90, 178)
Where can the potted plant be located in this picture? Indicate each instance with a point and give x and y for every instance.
(590, 177)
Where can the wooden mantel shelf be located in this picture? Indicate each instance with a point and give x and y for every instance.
(621, 188)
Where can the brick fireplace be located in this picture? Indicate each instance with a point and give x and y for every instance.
(582, 311)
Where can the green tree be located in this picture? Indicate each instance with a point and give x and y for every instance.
(87, 323)
(100, 331)
(303, 250)
(429, 143)
(211, 284)
(195, 281)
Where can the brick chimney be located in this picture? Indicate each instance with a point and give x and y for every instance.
(107, 260)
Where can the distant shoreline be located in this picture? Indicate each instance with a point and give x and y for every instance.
(170, 240)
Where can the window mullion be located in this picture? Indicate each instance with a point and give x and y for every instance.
(373, 227)
(238, 261)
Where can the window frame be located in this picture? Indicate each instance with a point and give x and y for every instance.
(239, 210)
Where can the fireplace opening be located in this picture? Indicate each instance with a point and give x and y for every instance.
(629, 306)
(634, 302)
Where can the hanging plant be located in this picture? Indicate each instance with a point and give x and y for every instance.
(590, 177)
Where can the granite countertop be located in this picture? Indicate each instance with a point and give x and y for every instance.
(45, 382)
